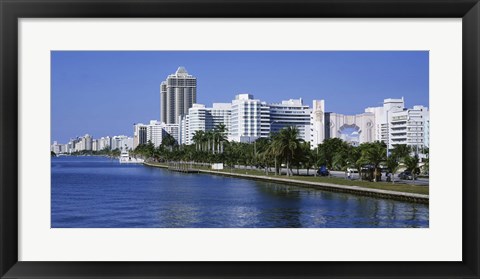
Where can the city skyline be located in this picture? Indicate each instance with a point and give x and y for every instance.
(104, 93)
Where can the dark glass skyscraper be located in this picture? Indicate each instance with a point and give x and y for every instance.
(177, 94)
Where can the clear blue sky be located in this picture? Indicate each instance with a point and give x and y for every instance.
(104, 92)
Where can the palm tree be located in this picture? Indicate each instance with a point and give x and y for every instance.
(355, 159)
(411, 163)
(287, 144)
(308, 157)
(426, 164)
(220, 132)
(169, 141)
(401, 151)
(375, 153)
(393, 164)
(198, 139)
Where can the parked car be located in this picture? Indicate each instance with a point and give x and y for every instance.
(323, 171)
(405, 175)
(352, 170)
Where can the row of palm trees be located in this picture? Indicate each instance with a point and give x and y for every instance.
(212, 140)
(282, 148)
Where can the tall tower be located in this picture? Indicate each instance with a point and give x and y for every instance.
(177, 94)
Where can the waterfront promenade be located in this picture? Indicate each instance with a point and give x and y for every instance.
(311, 183)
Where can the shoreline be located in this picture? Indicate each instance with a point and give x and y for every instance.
(357, 190)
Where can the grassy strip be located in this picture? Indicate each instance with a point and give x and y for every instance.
(333, 180)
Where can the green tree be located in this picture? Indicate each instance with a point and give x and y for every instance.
(426, 161)
(328, 150)
(401, 151)
(374, 154)
(169, 142)
(393, 164)
(198, 138)
(411, 164)
(287, 145)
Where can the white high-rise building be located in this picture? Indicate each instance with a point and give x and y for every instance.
(250, 119)
(173, 130)
(87, 142)
(291, 113)
(139, 134)
(247, 119)
(410, 127)
(122, 143)
(104, 142)
(382, 115)
(155, 132)
(152, 132)
(55, 147)
(95, 145)
(196, 122)
(201, 118)
(177, 94)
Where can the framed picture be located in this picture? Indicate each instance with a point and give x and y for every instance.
(290, 139)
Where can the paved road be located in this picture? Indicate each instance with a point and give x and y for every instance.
(419, 181)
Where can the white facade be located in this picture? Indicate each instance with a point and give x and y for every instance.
(55, 147)
(354, 129)
(95, 145)
(247, 119)
(201, 118)
(173, 130)
(291, 113)
(122, 143)
(196, 120)
(139, 134)
(155, 132)
(87, 142)
(410, 127)
(104, 142)
(396, 124)
(152, 132)
(383, 115)
(250, 119)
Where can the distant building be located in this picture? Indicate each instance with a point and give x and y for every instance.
(104, 143)
(153, 132)
(55, 147)
(95, 145)
(122, 143)
(177, 94)
(87, 142)
(139, 134)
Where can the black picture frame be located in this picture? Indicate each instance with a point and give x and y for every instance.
(12, 10)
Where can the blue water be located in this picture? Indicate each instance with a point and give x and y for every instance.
(97, 192)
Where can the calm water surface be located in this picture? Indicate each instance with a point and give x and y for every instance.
(97, 192)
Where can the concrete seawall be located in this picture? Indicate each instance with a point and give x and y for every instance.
(357, 190)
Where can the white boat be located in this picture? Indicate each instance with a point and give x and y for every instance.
(125, 158)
